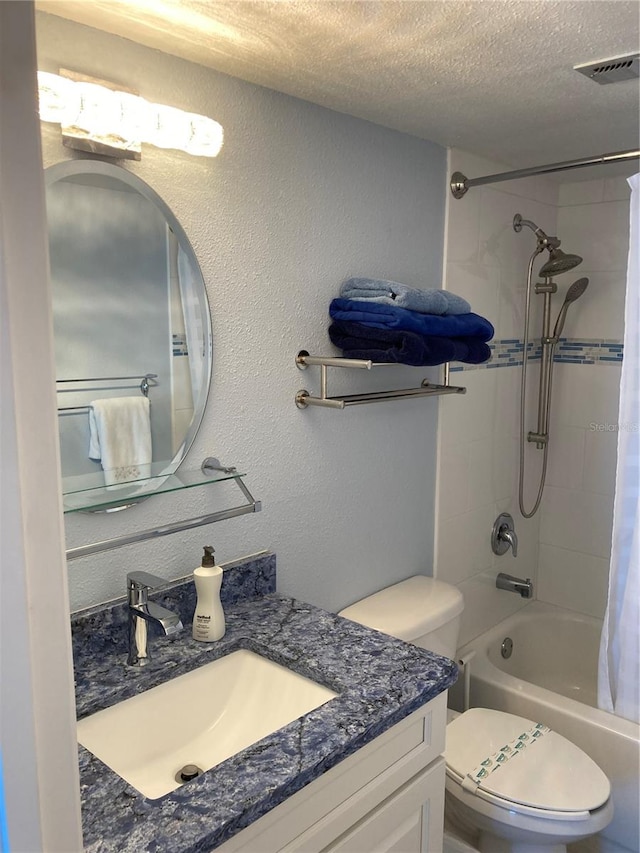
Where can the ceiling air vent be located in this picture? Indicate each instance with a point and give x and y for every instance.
(613, 70)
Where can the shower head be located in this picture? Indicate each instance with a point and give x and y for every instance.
(575, 292)
(559, 262)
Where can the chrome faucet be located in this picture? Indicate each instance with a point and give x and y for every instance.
(504, 535)
(511, 584)
(142, 611)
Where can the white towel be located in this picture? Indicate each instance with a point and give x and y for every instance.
(120, 438)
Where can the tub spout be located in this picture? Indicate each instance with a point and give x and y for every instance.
(511, 584)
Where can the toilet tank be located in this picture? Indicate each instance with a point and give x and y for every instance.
(419, 610)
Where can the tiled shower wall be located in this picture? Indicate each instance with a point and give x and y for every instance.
(575, 528)
(486, 262)
(565, 547)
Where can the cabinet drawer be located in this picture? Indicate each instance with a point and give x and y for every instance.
(410, 821)
(315, 816)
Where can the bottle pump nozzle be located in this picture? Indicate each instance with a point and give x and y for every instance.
(208, 560)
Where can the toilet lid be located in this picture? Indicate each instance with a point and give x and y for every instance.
(522, 762)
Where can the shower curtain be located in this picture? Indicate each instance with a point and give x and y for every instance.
(619, 665)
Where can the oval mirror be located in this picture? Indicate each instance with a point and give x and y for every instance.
(131, 320)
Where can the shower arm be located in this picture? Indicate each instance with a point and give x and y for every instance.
(544, 241)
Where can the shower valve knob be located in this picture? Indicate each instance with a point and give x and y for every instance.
(503, 535)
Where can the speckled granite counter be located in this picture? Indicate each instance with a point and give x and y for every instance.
(380, 681)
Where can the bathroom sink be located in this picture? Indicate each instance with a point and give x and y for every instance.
(200, 718)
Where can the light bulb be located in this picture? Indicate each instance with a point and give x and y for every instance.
(88, 110)
(57, 97)
(206, 136)
(168, 128)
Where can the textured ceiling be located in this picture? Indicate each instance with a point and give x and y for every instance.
(490, 76)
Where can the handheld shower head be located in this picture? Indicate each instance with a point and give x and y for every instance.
(559, 262)
(575, 292)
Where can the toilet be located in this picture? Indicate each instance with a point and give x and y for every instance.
(511, 783)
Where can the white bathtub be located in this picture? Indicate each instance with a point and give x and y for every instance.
(551, 677)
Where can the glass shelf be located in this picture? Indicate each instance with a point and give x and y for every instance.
(88, 497)
(88, 493)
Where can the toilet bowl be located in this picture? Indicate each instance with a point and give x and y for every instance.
(521, 785)
(512, 783)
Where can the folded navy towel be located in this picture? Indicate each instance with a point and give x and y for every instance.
(381, 316)
(391, 345)
(394, 293)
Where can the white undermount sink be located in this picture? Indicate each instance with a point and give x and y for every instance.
(200, 718)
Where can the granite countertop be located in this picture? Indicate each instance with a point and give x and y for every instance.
(379, 680)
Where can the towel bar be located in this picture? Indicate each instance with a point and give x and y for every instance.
(304, 399)
(145, 378)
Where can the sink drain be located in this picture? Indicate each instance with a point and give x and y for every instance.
(187, 773)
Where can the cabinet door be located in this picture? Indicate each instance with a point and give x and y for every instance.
(409, 821)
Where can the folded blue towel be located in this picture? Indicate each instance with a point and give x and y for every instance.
(394, 293)
(381, 316)
(387, 345)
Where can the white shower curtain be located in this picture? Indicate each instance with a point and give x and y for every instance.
(619, 665)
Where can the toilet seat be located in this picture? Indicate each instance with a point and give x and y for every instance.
(542, 774)
(530, 811)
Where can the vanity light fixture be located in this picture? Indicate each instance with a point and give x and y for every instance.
(96, 117)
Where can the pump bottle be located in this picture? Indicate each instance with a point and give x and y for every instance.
(208, 619)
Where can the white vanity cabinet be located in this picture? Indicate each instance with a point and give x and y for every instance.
(388, 796)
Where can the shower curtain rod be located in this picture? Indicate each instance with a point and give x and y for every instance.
(460, 183)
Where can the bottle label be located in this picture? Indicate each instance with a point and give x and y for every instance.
(209, 626)
(201, 627)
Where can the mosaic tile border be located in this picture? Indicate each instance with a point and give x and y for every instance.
(508, 352)
(179, 345)
(585, 351)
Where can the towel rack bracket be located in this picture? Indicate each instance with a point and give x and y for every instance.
(304, 399)
(301, 359)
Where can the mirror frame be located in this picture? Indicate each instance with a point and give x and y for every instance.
(81, 166)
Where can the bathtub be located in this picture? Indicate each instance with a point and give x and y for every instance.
(551, 677)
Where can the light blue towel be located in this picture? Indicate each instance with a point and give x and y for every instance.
(394, 293)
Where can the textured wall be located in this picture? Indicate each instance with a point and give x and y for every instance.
(300, 198)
